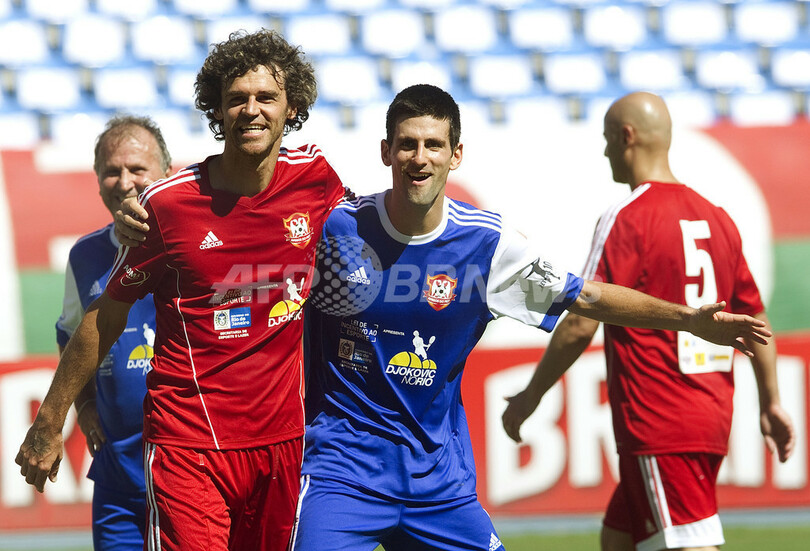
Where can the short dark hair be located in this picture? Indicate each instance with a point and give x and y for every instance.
(244, 52)
(119, 125)
(420, 100)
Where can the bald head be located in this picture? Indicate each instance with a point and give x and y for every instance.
(638, 131)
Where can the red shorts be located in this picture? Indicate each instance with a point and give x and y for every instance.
(667, 501)
(221, 500)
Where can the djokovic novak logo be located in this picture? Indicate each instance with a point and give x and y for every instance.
(288, 309)
(414, 368)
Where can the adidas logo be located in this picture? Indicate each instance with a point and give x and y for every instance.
(494, 542)
(359, 276)
(210, 241)
(96, 289)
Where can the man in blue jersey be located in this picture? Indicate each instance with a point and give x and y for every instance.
(129, 154)
(409, 279)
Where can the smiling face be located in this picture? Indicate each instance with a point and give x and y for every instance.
(421, 158)
(128, 162)
(253, 112)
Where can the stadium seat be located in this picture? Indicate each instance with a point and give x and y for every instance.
(321, 34)
(506, 4)
(354, 6)
(393, 33)
(728, 69)
(574, 73)
(501, 76)
(180, 85)
(694, 23)
(165, 39)
(544, 29)
(538, 111)
(175, 124)
(427, 5)
(48, 89)
(767, 23)
(204, 9)
(693, 108)
(406, 72)
(21, 130)
(5, 8)
(653, 70)
(790, 67)
(23, 42)
(126, 87)
(770, 108)
(465, 29)
(279, 6)
(77, 129)
(219, 29)
(348, 80)
(55, 12)
(93, 40)
(619, 27)
(130, 11)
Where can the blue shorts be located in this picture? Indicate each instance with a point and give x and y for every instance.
(333, 516)
(119, 520)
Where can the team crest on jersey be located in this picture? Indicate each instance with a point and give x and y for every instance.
(299, 229)
(441, 291)
(133, 276)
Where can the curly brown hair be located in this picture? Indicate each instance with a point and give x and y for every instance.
(243, 52)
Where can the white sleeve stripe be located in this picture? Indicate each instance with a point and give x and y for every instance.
(603, 230)
(180, 178)
(475, 223)
(462, 210)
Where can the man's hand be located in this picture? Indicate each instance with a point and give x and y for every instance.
(520, 407)
(90, 424)
(129, 229)
(712, 324)
(39, 456)
(778, 431)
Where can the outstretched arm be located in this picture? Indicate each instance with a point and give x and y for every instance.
(41, 451)
(622, 306)
(776, 426)
(570, 339)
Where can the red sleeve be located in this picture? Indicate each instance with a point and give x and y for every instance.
(622, 257)
(335, 190)
(137, 270)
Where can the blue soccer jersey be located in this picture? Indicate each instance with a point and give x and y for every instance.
(394, 318)
(121, 378)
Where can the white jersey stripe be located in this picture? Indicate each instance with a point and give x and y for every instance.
(656, 496)
(475, 223)
(191, 358)
(461, 209)
(153, 522)
(305, 481)
(188, 174)
(603, 230)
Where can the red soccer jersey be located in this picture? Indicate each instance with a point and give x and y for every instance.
(669, 391)
(229, 275)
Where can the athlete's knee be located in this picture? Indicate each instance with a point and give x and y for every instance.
(611, 539)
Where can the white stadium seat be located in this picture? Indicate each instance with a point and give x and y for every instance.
(652, 70)
(465, 29)
(393, 33)
(204, 9)
(791, 68)
(692, 108)
(164, 39)
(574, 73)
(131, 11)
(694, 23)
(279, 6)
(125, 88)
(320, 34)
(407, 72)
(501, 76)
(94, 40)
(22, 42)
(48, 88)
(767, 23)
(219, 29)
(543, 29)
(538, 111)
(72, 129)
(354, 6)
(55, 12)
(180, 85)
(351, 80)
(619, 27)
(728, 70)
(21, 130)
(771, 108)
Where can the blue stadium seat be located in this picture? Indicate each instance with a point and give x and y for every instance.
(23, 42)
(393, 32)
(94, 40)
(541, 28)
(205, 9)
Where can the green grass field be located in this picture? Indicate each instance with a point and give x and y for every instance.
(738, 538)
